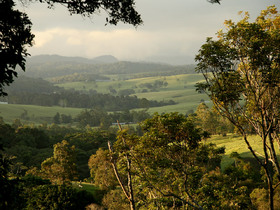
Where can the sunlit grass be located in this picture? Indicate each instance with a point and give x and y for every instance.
(236, 143)
(85, 186)
(37, 114)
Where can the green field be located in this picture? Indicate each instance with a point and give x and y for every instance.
(180, 88)
(36, 114)
(235, 143)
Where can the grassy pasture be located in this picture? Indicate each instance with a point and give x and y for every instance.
(235, 143)
(85, 186)
(180, 89)
(37, 114)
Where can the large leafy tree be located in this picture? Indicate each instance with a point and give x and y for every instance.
(61, 167)
(164, 167)
(15, 35)
(242, 78)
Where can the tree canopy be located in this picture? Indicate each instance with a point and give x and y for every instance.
(117, 11)
(61, 168)
(167, 167)
(242, 78)
(15, 35)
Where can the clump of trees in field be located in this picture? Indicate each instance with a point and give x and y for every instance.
(68, 98)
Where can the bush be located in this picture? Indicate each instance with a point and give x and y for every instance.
(58, 197)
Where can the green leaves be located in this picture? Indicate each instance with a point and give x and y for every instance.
(243, 63)
(254, 48)
(15, 35)
(117, 11)
(61, 168)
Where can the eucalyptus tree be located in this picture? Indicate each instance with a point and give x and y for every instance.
(61, 168)
(242, 78)
(165, 167)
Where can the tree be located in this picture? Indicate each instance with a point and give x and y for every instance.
(211, 121)
(117, 11)
(56, 118)
(242, 78)
(58, 197)
(61, 167)
(164, 167)
(101, 170)
(15, 35)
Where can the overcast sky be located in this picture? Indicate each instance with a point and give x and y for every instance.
(173, 31)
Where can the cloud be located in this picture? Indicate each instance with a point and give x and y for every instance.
(122, 43)
(42, 38)
(176, 29)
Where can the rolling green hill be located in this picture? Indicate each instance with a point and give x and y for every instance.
(50, 66)
(105, 75)
(179, 88)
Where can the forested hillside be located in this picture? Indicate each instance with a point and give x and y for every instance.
(54, 66)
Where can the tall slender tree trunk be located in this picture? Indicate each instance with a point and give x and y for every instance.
(270, 191)
(130, 189)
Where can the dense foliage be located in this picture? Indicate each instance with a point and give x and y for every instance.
(15, 31)
(84, 100)
(98, 117)
(28, 147)
(170, 168)
(242, 76)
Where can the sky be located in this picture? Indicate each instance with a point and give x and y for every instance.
(173, 31)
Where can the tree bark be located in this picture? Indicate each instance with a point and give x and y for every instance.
(270, 189)
(128, 193)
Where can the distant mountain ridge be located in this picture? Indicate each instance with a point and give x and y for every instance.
(59, 58)
(50, 66)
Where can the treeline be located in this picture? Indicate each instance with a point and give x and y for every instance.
(76, 77)
(31, 85)
(95, 117)
(101, 118)
(87, 77)
(76, 99)
(57, 68)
